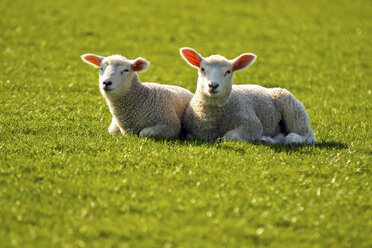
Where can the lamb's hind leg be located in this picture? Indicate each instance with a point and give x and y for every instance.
(250, 129)
(295, 118)
(236, 134)
(278, 139)
(164, 131)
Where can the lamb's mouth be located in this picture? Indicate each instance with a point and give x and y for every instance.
(213, 92)
(107, 89)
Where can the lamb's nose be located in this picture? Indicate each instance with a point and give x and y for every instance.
(107, 83)
(213, 86)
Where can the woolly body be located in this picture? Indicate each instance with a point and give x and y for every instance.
(146, 109)
(161, 106)
(241, 112)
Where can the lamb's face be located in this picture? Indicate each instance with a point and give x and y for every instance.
(216, 72)
(115, 76)
(215, 77)
(116, 72)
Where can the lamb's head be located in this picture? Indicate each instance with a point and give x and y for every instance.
(216, 72)
(116, 72)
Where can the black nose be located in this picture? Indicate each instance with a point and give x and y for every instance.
(213, 86)
(107, 83)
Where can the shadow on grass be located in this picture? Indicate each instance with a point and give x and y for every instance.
(331, 145)
(327, 145)
(228, 145)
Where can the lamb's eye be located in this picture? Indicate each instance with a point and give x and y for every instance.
(202, 70)
(124, 71)
(227, 73)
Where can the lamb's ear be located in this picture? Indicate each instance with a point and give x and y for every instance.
(191, 56)
(243, 61)
(140, 65)
(92, 59)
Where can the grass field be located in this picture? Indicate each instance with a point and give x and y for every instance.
(65, 182)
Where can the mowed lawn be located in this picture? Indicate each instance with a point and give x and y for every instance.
(65, 182)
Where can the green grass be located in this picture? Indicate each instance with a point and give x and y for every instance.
(65, 182)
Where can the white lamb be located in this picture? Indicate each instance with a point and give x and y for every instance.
(220, 109)
(146, 109)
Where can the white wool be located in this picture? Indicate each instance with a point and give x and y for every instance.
(220, 109)
(146, 109)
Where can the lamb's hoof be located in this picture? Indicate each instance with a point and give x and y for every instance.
(311, 141)
(293, 139)
(279, 139)
(147, 132)
(267, 139)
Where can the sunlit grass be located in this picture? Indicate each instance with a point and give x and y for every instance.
(65, 182)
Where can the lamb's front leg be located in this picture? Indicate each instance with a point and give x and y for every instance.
(113, 128)
(165, 131)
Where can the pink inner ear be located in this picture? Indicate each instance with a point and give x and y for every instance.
(138, 65)
(192, 57)
(93, 60)
(243, 61)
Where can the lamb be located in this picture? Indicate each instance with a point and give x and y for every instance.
(220, 109)
(145, 109)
